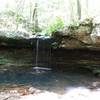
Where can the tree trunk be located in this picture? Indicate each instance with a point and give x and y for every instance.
(35, 17)
(79, 9)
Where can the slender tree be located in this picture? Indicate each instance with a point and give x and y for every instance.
(35, 16)
(79, 9)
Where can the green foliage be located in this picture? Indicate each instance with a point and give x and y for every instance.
(19, 18)
(57, 24)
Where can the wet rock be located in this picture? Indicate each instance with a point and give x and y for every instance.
(38, 70)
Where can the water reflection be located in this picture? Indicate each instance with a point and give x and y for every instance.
(50, 80)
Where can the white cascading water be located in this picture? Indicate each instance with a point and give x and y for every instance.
(37, 68)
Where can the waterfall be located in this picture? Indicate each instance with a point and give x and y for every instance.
(37, 52)
(42, 54)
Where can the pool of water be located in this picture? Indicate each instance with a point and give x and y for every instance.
(51, 80)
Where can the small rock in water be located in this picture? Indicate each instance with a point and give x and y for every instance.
(41, 69)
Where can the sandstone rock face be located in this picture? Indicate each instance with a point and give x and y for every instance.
(71, 43)
(86, 35)
(83, 37)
